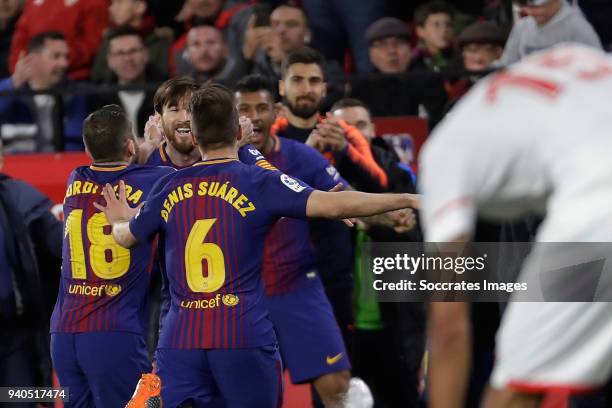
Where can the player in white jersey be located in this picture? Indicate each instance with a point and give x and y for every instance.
(536, 138)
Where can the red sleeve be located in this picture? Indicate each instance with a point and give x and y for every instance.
(359, 153)
(21, 36)
(87, 36)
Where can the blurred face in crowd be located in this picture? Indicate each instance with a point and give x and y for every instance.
(360, 118)
(50, 63)
(126, 12)
(303, 89)
(391, 55)
(206, 8)
(436, 32)
(544, 13)
(176, 124)
(478, 57)
(206, 50)
(9, 9)
(259, 107)
(289, 23)
(127, 58)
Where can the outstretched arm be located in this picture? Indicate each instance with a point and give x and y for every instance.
(349, 204)
(118, 213)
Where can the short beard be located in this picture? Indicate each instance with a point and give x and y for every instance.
(304, 113)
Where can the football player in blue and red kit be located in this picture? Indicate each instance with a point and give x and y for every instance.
(99, 321)
(217, 344)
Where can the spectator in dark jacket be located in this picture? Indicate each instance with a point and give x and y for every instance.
(31, 122)
(434, 27)
(28, 232)
(129, 62)
(419, 92)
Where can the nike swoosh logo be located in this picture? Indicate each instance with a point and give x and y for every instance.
(333, 360)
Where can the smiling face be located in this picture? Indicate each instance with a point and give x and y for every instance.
(303, 89)
(176, 124)
(259, 107)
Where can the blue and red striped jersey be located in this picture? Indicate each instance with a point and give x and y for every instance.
(213, 218)
(103, 285)
(159, 157)
(288, 252)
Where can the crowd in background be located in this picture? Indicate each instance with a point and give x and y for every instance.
(66, 58)
(82, 50)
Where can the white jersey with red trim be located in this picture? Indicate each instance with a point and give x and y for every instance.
(534, 138)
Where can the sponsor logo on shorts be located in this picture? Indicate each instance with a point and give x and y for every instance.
(292, 183)
(333, 360)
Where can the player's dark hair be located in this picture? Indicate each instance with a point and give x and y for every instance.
(174, 90)
(37, 42)
(256, 83)
(214, 119)
(423, 12)
(303, 55)
(349, 103)
(123, 31)
(106, 133)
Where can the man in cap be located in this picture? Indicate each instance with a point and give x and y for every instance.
(389, 46)
(548, 22)
(481, 44)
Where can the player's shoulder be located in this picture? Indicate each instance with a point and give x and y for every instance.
(300, 151)
(159, 171)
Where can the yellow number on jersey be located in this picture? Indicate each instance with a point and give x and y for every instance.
(196, 251)
(108, 259)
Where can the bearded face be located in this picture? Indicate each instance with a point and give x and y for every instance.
(177, 126)
(303, 89)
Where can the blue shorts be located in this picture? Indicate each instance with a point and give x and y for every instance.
(310, 341)
(100, 369)
(232, 378)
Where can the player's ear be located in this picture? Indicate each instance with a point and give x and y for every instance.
(239, 133)
(131, 147)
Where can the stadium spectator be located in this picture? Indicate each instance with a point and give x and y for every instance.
(130, 64)
(134, 13)
(548, 22)
(481, 44)
(229, 16)
(29, 233)
(389, 45)
(81, 22)
(205, 55)
(390, 52)
(31, 122)
(339, 24)
(9, 13)
(434, 27)
(399, 328)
